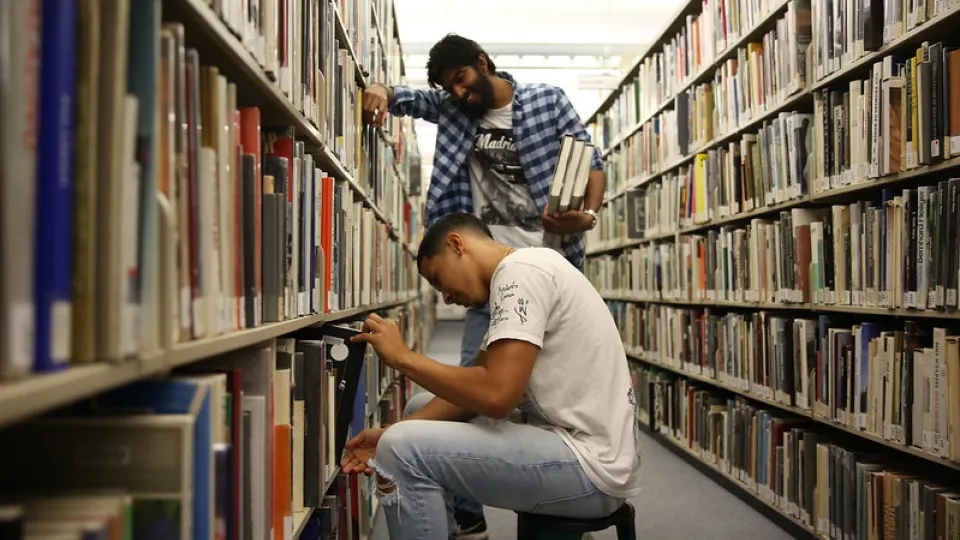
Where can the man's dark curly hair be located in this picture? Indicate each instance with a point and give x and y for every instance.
(454, 51)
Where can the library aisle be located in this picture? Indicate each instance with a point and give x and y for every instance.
(678, 501)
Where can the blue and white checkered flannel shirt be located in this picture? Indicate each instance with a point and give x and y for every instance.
(542, 115)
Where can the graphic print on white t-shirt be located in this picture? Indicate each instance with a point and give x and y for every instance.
(501, 194)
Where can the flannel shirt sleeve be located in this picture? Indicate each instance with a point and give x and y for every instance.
(423, 104)
(569, 122)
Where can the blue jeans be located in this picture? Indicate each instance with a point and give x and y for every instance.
(423, 464)
(475, 326)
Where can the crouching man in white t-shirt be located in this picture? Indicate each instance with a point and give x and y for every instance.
(552, 351)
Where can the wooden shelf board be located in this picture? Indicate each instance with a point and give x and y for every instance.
(40, 393)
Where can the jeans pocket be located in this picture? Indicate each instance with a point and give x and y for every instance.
(592, 504)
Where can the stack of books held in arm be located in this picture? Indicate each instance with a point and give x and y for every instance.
(569, 182)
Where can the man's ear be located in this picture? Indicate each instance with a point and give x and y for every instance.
(481, 64)
(455, 242)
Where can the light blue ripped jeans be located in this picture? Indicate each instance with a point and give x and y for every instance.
(422, 464)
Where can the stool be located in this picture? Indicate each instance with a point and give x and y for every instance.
(543, 527)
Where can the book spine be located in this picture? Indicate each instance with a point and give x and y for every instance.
(54, 185)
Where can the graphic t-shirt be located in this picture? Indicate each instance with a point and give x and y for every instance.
(580, 387)
(501, 195)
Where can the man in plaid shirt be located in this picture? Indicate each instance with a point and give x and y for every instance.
(497, 146)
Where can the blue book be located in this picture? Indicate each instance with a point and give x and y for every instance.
(53, 257)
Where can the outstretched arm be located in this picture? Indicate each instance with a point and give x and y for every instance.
(493, 389)
(380, 99)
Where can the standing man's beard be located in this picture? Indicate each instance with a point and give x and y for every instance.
(483, 89)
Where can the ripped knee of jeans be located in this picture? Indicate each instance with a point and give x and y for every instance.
(387, 489)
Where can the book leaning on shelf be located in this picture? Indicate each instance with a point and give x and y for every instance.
(569, 182)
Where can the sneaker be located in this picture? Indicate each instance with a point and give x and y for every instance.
(475, 530)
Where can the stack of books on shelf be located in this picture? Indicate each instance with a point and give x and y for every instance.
(188, 194)
(781, 260)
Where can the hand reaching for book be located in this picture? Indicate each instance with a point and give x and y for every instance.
(375, 100)
(569, 222)
(360, 450)
(385, 337)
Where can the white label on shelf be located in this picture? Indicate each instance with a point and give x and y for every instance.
(185, 306)
(932, 298)
(910, 299)
(897, 432)
(846, 298)
(887, 431)
(885, 298)
(712, 373)
(831, 297)
(822, 525)
(912, 161)
(954, 146)
(951, 297)
(60, 327)
(927, 440)
(935, 147)
(804, 516)
(198, 318)
(802, 401)
(842, 416)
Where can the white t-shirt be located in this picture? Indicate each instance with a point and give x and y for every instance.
(501, 194)
(580, 387)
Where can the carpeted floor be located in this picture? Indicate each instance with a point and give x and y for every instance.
(678, 502)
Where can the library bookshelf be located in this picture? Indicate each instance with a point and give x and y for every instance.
(778, 247)
(192, 210)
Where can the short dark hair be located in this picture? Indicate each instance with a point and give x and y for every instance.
(454, 51)
(436, 235)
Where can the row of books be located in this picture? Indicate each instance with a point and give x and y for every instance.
(847, 30)
(695, 44)
(762, 169)
(833, 487)
(901, 117)
(896, 381)
(758, 79)
(252, 440)
(899, 253)
(152, 208)
(234, 431)
(761, 76)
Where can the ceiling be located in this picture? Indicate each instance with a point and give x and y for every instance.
(533, 21)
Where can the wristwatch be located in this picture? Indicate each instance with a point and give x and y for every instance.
(592, 214)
